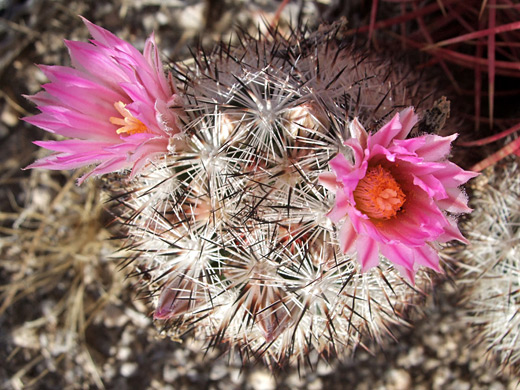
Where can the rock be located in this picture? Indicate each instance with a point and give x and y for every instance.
(262, 380)
(399, 379)
(128, 369)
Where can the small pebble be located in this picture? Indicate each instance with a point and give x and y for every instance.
(128, 369)
(262, 380)
(218, 371)
(399, 379)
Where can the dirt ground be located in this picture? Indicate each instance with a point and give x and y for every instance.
(69, 317)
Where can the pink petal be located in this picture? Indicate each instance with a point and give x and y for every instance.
(457, 201)
(407, 273)
(73, 146)
(436, 148)
(431, 185)
(108, 39)
(151, 53)
(74, 124)
(451, 175)
(57, 162)
(328, 180)
(452, 232)
(65, 74)
(358, 132)
(404, 231)
(351, 180)
(171, 301)
(41, 99)
(340, 207)
(386, 134)
(166, 118)
(367, 252)
(408, 119)
(419, 167)
(424, 213)
(408, 146)
(275, 318)
(145, 112)
(347, 237)
(357, 148)
(78, 99)
(420, 221)
(378, 151)
(64, 125)
(364, 225)
(428, 257)
(87, 58)
(146, 151)
(340, 165)
(113, 165)
(66, 77)
(399, 254)
(142, 83)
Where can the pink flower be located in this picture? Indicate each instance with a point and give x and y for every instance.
(115, 105)
(394, 198)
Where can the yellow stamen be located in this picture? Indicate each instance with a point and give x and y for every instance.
(378, 194)
(129, 124)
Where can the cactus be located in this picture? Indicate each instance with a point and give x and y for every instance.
(491, 264)
(231, 229)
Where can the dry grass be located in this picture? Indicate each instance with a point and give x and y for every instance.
(60, 276)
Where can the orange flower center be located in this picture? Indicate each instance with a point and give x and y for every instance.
(378, 194)
(129, 124)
